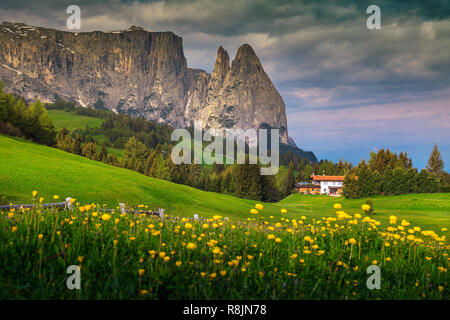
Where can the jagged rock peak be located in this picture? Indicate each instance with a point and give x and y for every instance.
(246, 57)
(222, 65)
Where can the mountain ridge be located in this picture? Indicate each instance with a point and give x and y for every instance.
(140, 73)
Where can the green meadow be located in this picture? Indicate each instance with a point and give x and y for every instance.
(72, 121)
(25, 166)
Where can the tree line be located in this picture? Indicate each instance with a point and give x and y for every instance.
(17, 118)
(147, 147)
(387, 173)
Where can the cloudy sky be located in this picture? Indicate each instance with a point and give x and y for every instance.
(348, 90)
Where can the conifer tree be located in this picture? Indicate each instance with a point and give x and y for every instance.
(435, 164)
(350, 188)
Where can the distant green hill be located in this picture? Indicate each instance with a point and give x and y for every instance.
(25, 166)
(71, 120)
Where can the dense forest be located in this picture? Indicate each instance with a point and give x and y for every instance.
(17, 118)
(147, 148)
(387, 173)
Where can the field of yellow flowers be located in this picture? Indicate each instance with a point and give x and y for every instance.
(139, 256)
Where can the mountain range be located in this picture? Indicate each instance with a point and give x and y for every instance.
(140, 73)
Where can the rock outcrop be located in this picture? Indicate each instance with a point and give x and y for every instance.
(140, 73)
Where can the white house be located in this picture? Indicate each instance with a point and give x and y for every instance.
(331, 185)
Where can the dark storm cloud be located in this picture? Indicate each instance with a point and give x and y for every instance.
(320, 55)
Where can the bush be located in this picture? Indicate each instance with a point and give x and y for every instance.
(370, 203)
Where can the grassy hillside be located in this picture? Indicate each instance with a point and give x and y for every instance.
(25, 166)
(72, 121)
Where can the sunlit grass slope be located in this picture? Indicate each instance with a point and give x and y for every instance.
(25, 166)
(72, 121)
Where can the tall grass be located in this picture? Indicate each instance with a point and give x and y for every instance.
(124, 256)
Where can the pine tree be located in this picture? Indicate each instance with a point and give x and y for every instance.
(289, 181)
(365, 181)
(225, 183)
(350, 188)
(134, 151)
(435, 164)
(388, 186)
(103, 153)
(76, 145)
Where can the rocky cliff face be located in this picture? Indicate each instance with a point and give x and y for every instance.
(140, 73)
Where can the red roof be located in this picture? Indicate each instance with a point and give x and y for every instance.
(327, 178)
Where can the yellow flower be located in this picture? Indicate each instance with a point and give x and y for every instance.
(337, 206)
(106, 217)
(440, 288)
(294, 256)
(115, 242)
(141, 272)
(365, 207)
(254, 211)
(357, 216)
(40, 236)
(191, 246)
(352, 241)
(278, 240)
(188, 226)
(116, 220)
(270, 237)
(283, 210)
(243, 269)
(374, 262)
(213, 275)
(302, 261)
(34, 194)
(56, 197)
(259, 206)
(41, 199)
(223, 273)
(444, 229)
(205, 226)
(162, 254)
(178, 263)
(144, 292)
(80, 259)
